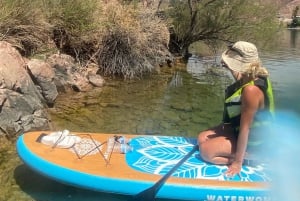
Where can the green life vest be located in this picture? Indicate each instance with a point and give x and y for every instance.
(232, 108)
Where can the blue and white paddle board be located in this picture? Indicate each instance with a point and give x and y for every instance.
(87, 164)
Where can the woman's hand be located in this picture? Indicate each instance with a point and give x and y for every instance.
(234, 168)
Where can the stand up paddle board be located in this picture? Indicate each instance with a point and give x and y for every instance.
(86, 160)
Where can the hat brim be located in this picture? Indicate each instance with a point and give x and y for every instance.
(234, 61)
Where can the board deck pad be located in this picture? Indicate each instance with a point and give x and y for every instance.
(158, 154)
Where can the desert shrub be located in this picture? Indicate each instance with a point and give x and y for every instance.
(36, 26)
(126, 40)
(24, 26)
(74, 25)
(134, 42)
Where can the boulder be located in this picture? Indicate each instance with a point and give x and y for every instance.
(68, 75)
(29, 87)
(22, 107)
(43, 75)
(91, 71)
(96, 80)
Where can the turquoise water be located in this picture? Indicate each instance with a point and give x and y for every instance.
(180, 101)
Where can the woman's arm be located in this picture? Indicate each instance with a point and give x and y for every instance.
(252, 100)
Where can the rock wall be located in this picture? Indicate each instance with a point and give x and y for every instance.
(29, 87)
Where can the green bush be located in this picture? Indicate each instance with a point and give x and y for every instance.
(295, 22)
(74, 25)
(220, 21)
(34, 26)
(76, 16)
(24, 26)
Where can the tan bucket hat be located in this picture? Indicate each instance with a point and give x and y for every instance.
(240, 55)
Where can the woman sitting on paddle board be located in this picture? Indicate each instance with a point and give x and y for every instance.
(227, 143)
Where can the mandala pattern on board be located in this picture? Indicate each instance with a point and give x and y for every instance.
(86, 146)
(158, 154)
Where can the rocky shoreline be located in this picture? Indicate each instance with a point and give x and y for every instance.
(30, 86)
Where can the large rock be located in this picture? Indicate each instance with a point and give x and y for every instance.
(68, 75)
(28, 88)
(22, 107)
(43, 75)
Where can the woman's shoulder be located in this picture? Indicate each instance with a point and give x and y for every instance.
(252, 89)
(252, 94)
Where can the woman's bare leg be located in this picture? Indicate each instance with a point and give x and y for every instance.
(217, 145)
